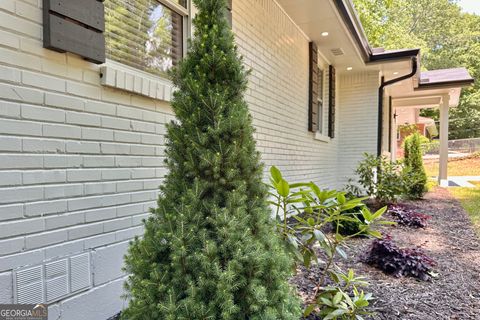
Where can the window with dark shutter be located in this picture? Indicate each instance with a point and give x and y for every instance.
(331, 102)
(75, 26)
(313, 88)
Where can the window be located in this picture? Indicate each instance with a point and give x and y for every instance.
(145, 34)
(320, 101)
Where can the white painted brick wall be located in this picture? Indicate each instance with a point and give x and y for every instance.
(277, 51)
(358, 125)
(76, 172)
(80, 163)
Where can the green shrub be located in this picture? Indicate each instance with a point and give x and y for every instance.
(209, 250)
(351, 227)
(303, 212)
(414, 174)
(380, 179)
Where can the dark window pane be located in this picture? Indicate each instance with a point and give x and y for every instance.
(143, 34)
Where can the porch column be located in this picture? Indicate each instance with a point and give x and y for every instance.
(443, 172)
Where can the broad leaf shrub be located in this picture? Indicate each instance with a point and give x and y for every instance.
(385, 255)
(387, 181)
(414, 171)
(209, 250)
(303, 211)
(408, 216)
(351, 227)
(379, 178)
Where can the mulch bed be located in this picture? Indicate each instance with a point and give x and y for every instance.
(450, 240)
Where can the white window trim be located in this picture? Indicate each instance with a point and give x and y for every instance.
(120, 76)
(322, 136)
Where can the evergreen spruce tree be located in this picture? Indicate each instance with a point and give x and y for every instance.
(417, 184)
(210, 251)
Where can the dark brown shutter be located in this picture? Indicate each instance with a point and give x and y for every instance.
(313, 88)
(331, 101)
(75, 26)
(229, 12)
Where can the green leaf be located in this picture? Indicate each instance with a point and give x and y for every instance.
(275, 174)
(299, 184)
(379, 212)
(283, 188)
(309, 310)
(342, 253)
(307, 258)
(326, 302)
(315, 189)
(319, 235)
(335, 314)
(337, 298)
(375, 234)
(341, 198)
(362, 303)
(311, 221)
(367, 215)
(334, 276)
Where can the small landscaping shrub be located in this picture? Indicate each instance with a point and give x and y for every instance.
(303, 212)
(408, 216)
(351, 227)
(380, 179)
(388, 257)
(414, 173)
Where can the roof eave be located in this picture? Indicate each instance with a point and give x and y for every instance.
(394, 55)
(446, 84)
(351, 19)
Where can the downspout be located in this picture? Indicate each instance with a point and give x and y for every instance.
(381, 91)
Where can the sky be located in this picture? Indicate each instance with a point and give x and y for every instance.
(472, 6)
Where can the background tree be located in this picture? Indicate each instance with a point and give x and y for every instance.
(210, 251)
(448, 38)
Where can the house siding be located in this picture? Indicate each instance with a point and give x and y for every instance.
(277, 52)
(359, 121)
(80, 163)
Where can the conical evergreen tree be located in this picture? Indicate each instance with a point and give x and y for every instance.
(210, 251)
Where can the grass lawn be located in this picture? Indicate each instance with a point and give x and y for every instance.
(466, 167)
(470, 200)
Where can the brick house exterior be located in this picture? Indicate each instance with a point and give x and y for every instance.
(82, 144)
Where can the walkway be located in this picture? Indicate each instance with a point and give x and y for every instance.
(462, 181)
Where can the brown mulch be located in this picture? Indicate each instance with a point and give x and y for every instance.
(450, 240)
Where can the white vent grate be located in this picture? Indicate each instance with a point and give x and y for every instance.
(337, 52)
(56, 279)
(29, 285)
(52, 280)
(80, 272)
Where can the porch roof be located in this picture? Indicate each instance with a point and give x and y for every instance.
(446, 77)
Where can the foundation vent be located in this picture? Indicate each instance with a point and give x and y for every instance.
(52, 280)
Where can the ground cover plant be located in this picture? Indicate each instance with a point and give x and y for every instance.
(388, 257)
(209, 250)
(409, 216)
(303, 212)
